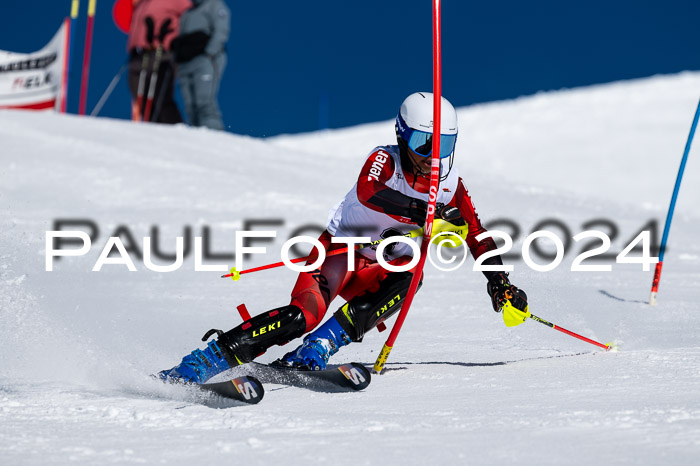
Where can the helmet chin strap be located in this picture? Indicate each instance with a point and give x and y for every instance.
(449, 167)
(415, 160)
(418, 172)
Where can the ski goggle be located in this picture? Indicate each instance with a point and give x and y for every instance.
(421, 142)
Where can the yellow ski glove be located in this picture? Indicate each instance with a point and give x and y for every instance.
(509, 299)
(513, 316)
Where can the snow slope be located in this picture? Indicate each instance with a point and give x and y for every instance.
(461, 387)
(627, 135)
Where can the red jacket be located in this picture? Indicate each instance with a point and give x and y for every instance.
(374, 194)
(159, 10)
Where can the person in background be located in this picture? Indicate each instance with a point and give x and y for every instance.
(154, 25)
(200, 54)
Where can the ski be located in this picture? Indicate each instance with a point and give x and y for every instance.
(347, 377)
(246, 389)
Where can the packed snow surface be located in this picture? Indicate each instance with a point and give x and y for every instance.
(461, 388)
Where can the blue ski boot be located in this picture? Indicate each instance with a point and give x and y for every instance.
(349, 323)
(239, 345)
(317, 348)
(198, 366)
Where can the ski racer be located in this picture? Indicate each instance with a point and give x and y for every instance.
(390, 198)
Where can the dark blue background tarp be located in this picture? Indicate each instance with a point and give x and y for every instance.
(301, 66)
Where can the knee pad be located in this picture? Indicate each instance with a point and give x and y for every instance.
(362, 313)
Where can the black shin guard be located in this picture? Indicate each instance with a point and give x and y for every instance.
(364, 312)
(253, 337)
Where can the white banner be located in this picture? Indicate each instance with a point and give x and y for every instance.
(35, 80)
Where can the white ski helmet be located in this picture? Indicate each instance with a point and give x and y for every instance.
(414, 125)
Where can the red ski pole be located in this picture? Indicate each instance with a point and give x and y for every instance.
(434, 182)
(152, 84)
(86, 56)
(236, 274)
(607, 347)
(513, 316)
(137, 107)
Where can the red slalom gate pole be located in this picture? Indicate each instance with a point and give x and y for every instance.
(86, 56)
(68, 72)
(434, 182)
(607, 347)
(62, 105)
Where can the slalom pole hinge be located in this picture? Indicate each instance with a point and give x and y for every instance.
(235, 274)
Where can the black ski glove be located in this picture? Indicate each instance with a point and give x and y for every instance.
(500, 289)
(417, 211)
(165, 29)
(450, 214)
(150, 30)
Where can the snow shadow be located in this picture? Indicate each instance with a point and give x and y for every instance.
(474, 364)
(616, 298)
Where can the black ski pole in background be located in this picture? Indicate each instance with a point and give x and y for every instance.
(141, 89)
(161, 94)
(108, 91)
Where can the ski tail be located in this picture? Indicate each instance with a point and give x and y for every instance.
(357, 375)
(347, 377)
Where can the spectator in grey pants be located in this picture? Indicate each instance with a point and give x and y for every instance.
(200, 54)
